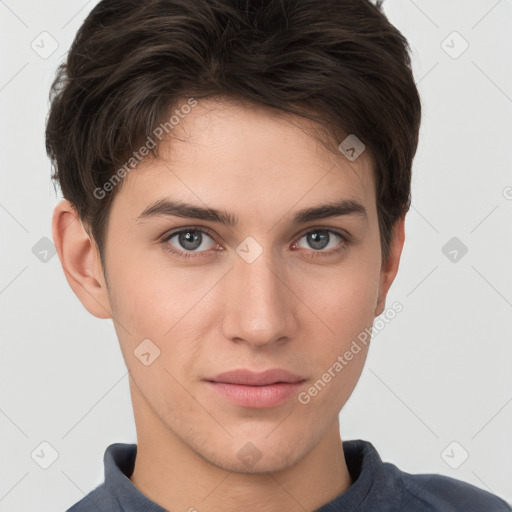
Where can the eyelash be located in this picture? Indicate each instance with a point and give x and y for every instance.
(346, 240)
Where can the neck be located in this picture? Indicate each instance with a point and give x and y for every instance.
(177, 477)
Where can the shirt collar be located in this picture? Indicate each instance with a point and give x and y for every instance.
(119, 461)
(375, 485)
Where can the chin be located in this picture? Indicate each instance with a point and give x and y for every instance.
(258, 456)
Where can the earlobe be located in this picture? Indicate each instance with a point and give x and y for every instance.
(390, 269)
(80, 260)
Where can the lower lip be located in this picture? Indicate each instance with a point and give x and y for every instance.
(258, 397)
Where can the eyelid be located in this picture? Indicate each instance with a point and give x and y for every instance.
(176, 231)
(345, 241)
(337, 231)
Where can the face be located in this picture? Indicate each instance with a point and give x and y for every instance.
(279, 286)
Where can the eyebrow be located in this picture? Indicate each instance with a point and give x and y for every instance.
(166, 207)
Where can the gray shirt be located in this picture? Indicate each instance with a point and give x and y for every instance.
(377, 487)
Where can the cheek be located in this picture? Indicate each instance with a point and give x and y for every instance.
(162, 304)
(150, 295)
(345, 301)
(337, 359)
(344, 298)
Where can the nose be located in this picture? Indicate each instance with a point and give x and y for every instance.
(259, 306)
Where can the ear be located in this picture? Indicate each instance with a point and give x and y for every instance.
(80, 260)
(390, 268)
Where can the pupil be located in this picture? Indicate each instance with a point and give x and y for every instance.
(190, 239)
(318, 240)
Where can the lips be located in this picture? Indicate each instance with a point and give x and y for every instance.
(250, 378)
(258, 390)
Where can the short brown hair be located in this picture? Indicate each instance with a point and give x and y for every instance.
(338, 62)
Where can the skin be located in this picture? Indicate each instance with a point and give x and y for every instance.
(296, 307)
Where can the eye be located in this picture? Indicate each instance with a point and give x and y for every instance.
(320, 239)
(189, 240)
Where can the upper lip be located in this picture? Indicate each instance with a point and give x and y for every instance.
(250, 378)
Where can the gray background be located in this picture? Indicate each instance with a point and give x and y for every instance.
(438, 373)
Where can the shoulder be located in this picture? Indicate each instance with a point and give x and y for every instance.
(433, 492)
(385, 487)
(97, 500)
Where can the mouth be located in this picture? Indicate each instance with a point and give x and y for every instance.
(256, 390)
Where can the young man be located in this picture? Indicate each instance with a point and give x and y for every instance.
(236, 175)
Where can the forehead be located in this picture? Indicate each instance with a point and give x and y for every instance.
(247, 158)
